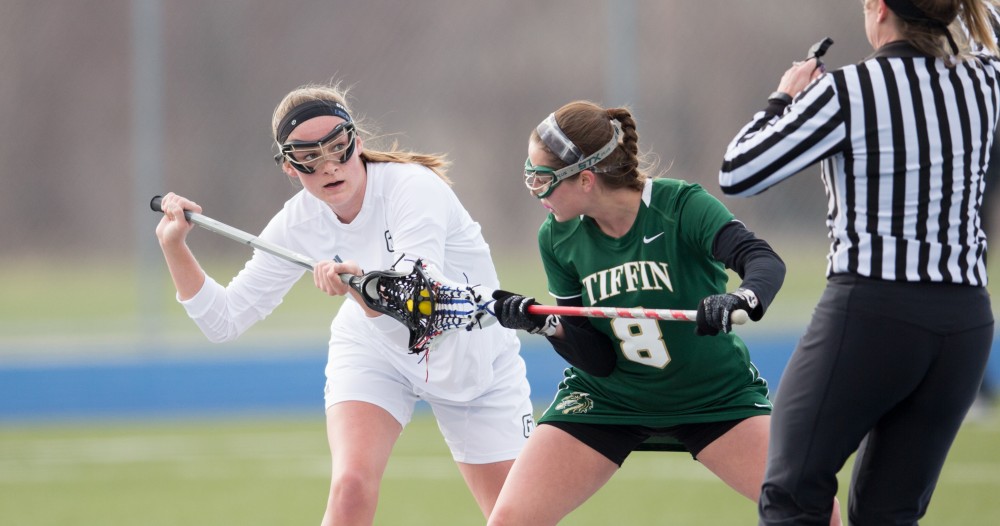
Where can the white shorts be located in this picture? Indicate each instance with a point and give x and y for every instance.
(489, 428)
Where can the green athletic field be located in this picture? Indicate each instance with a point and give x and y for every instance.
(269, 471)
(264, 470)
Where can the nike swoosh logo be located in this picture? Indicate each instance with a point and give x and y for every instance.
(761, 405)
(648, 240)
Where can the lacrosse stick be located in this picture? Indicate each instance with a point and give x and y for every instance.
(738, 317)
(426, 303)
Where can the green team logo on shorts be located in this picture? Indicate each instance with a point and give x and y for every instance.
(575, 402)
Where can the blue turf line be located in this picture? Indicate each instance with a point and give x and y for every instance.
(152, 386)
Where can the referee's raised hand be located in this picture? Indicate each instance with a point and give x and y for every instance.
(797, 77)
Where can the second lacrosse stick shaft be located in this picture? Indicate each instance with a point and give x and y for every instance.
(739, 317)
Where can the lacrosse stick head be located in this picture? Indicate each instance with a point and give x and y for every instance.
(429, 305)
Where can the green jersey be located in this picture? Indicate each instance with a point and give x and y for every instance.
(665, 375)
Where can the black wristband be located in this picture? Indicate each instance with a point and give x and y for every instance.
(780, 97)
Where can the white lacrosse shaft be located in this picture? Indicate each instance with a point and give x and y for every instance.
(738, 317)
(247, 238)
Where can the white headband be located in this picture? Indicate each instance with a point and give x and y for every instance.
(557, 141)
(585, 163)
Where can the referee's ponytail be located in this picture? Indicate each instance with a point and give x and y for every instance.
(930, 25)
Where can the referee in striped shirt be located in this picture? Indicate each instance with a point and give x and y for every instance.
(898, 344)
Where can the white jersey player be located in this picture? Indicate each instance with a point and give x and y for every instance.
(372, 208)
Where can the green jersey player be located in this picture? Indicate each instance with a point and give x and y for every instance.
(664, 373)
(617, 238)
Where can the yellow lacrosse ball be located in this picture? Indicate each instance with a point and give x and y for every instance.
(425, 305)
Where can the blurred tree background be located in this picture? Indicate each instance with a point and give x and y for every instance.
(470, 79)
(93, 121)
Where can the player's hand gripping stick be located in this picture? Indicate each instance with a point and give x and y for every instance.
(718, 313)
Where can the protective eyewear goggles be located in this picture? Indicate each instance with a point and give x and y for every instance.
(307, 157)
(541, 181)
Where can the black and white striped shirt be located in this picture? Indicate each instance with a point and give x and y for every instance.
(904, 143)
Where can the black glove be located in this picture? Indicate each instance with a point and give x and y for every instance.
(714, 312)
(511, 311)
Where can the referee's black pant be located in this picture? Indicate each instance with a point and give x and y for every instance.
(885, 369)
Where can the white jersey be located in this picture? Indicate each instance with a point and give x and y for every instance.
(408, 210)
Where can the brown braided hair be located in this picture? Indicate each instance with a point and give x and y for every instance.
(589, 126)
